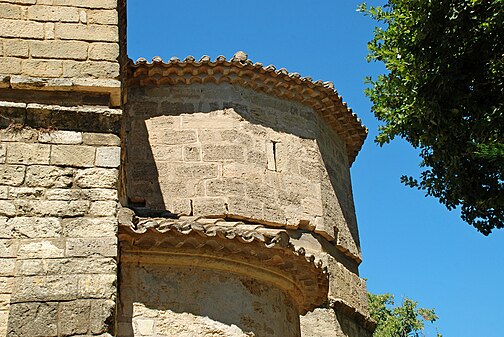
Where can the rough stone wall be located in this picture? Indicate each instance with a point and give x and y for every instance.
(59, 38)
(164, 301)
(57, 229)
(225, 150)
(59, 159)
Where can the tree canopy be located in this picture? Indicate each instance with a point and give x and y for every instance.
(398, 321)
(444, 93)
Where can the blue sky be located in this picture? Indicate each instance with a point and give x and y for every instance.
(412, 246)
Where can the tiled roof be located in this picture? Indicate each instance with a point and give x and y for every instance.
(239, 243)
(319, 95)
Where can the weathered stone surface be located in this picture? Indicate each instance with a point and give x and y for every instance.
(33, 319)
(97, 286)
(101, 139)
(74, 317)
(109, 156)
(61, 137)
(12, 175)
(41, 249)
(49, 176)
(73, 155)
(54, 208)
(85, 247)
(45, 288)
(96, 178)
(25, 153)
(34, 227)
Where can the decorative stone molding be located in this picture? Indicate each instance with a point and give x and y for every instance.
(249, 250)
(319, 95)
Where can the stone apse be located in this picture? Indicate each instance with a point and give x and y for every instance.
(207, 197)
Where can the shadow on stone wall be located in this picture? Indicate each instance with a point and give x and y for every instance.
(159, 300)
(149, 183)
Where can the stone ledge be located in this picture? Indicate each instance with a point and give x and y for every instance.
(253, 250)
(106, 86)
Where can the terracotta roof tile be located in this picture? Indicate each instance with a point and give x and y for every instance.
(240, 70)
(267, 248)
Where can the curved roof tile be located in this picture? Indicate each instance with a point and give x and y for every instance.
(240, 70)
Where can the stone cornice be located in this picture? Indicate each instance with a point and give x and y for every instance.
(247, 250)
(239, 70)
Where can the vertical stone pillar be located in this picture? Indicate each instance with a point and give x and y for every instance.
(60, 116)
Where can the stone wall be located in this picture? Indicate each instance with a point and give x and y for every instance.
(58, 249)
(222, 150)
(60, 38)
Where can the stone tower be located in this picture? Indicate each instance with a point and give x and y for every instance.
(181, 198)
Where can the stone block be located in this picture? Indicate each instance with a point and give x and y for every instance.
(26, 135)
(96, 69)
(7, 208)
(217, 120)
(12, 113)
(26, 193)
(97, 178)
(192, 153)
(16, 48)
(100, 194)
(10, 11)
(101, 139)
(101, 313)
(94, 4)
(5, 232)
(104, 52)
(33, 319)
(4, 303)
(53, 13)
(224, 187)
(91, 32)
(209, 206)
(171, 137)
(48, 176)
(64, 194)
(223, 152)
(10, 65)
(87, 247)
(34, 227)
(103, 208)
(6, 285)
(74, 317)
(30, 267)
(73, 155)
(89, 227)
(57, 49)
(45, 249)
(4, 192)
(52, 208)
(42, 68)
(191, 171)
(8, 248)
(3, 152)
(45, 288)
(164, 153)
(245, 207)
(73, 266)
(97, 286)
(103, 17)
(109, 156)
(21, 29)
(12, 175)
(28, 153)
(7, 267)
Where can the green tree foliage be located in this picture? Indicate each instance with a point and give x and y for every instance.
(400, 321)
(444, 93)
